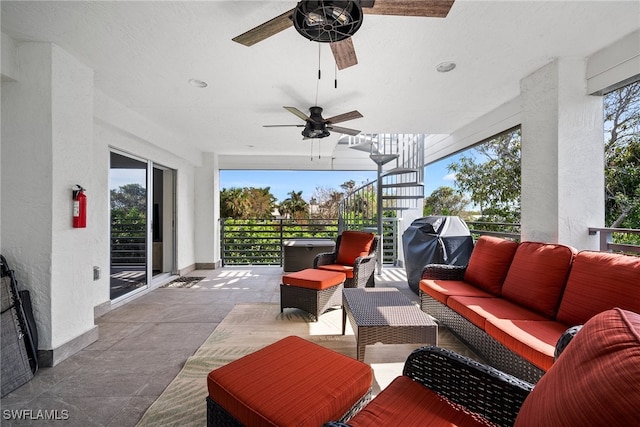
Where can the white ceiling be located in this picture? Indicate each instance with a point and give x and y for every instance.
(144, 53)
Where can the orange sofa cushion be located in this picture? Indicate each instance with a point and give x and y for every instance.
(594, 381)
(290, 382)
(347, 270)
(489, 263)
(311, 278)
(533, 340)
(407, 403)
(537, 276)
(477, 310)
(353, 244)
(441, 290)
(600, 281)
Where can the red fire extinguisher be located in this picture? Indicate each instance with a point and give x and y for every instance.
(79, 208)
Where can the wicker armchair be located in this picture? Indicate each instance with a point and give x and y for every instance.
(472, 387)
(359, 274)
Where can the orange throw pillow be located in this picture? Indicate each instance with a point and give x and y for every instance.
(594, 382)
(353, 244)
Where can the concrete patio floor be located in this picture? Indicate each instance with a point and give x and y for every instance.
(142, 346)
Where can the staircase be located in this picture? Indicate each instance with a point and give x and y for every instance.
(400, 161)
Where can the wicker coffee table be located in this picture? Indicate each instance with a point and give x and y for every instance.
(386, 316)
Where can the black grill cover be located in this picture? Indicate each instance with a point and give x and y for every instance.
(435, 240)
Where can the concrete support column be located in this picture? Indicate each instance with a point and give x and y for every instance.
(47, 133)
(207, 200)
(562, 156)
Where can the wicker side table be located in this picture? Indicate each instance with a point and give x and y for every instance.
(386, 316)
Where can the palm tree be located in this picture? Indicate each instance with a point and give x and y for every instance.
(294, 205)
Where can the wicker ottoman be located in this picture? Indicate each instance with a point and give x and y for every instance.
(311, 290)
(290, 382)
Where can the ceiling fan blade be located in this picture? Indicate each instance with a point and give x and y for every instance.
(351, 115)
(344, 53)
(297, 112)
(266, 30)
(282, 126)
(343, 130)
(429, 8)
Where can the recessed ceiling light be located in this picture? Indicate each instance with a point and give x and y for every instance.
(198, 83)
(445, 67)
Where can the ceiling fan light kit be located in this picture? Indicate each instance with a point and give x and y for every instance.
(327, 21)
(317, 127)
(335, 21)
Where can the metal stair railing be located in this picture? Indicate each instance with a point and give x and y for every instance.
(400, 183)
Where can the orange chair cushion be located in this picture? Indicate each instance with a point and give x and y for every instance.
(353, 244)
(441, 290)
(489, 263)
(600, 281)
(347, 270)
(537, 276)
(478, 310)
(407, 403)
(292, 382)
(311, 278)
(594, 382)
(533, 340)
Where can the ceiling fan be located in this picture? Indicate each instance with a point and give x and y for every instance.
(318, 127)
(334, 22)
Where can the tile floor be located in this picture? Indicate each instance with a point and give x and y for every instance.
(142, 346)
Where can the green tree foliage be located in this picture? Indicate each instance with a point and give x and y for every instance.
(445, 201)
(248, 202)
(491, 176)
(294, 206)
(622, 156)
(129, 196)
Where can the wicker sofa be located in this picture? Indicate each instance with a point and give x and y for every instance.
(592, 383)
(512, 302)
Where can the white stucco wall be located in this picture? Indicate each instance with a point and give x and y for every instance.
(207, 213)
(57, 132)
(562, 156)
(46, 143)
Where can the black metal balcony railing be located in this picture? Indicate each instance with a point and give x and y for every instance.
(496, 229)
(260, 241)
(128, 242)
(618, 239)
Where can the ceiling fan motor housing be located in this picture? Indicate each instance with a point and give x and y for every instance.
(316, 126)
(327, 21)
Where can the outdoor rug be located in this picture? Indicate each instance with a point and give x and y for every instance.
(249, 327)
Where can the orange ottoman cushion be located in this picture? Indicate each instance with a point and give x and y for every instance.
(312, 278)
(290, 382)
(347, 270)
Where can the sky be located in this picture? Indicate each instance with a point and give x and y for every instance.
(281, 183)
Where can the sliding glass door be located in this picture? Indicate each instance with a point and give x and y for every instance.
(142, 197)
